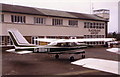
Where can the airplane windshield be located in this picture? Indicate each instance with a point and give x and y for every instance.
(67, 44)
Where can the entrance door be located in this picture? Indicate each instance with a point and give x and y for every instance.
(34, 41)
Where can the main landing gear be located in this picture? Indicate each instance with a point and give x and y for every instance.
(56, 56)
(71, 57)
(83, 56)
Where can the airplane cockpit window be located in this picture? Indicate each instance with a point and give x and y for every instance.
(67, 44)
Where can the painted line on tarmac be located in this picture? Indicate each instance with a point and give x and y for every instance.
(79, 72)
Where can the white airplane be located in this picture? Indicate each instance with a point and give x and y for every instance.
(114, 50)
(22, 46)
(56, 46)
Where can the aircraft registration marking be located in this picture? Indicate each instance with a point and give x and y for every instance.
(37, 50)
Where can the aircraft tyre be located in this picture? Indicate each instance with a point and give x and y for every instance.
(71, 58)
(56, 56)
(83, 56)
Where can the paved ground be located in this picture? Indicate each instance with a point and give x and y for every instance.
(41, 64)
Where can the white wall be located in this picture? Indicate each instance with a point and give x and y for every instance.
(31, 29)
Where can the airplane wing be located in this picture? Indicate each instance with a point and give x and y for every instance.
(19, 52)
(55, 41)
(92, 39)
(46, 39)
(114, 50)
(51, 41)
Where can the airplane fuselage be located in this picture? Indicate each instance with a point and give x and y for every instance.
(51, 49)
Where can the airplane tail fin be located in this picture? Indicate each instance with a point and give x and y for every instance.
(17, 38)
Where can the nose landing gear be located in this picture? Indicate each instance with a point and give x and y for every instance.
(56, 56)
(72, 58)
(83, 56)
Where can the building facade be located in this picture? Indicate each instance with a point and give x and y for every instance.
(44, 23)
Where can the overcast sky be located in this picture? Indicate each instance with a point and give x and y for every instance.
(81, 6)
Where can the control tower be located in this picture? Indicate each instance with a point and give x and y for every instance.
(104, 13)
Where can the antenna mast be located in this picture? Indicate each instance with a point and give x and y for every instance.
(91, 7)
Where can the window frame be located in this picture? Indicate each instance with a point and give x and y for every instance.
(18, 19)
(39, 20)
(73, 22)
(57, 22)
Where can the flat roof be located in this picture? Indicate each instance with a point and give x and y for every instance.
(102, 10)
(48, 12)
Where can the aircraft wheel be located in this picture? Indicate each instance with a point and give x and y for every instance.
(83, 56)
(71, 58)
(56, 56)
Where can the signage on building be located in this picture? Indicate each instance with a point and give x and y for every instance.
(94, 31)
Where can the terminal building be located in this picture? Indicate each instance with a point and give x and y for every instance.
(45, 23)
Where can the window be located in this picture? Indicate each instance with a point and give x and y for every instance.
(94, 43)
(0, 40)
(102, 26)
(87, 36)
(100, 36)
(34, 41)
(97, 42)
(94, 25)
(2, 16)
(87, 24)
(9, 41)
(3, 40)
(87, 43)
(39, 20)
(103, 42)
(57, 22)
(73, 22)
(17, 19)
(93, 36)
(99, 26)
(103, 36)
(90, 24)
